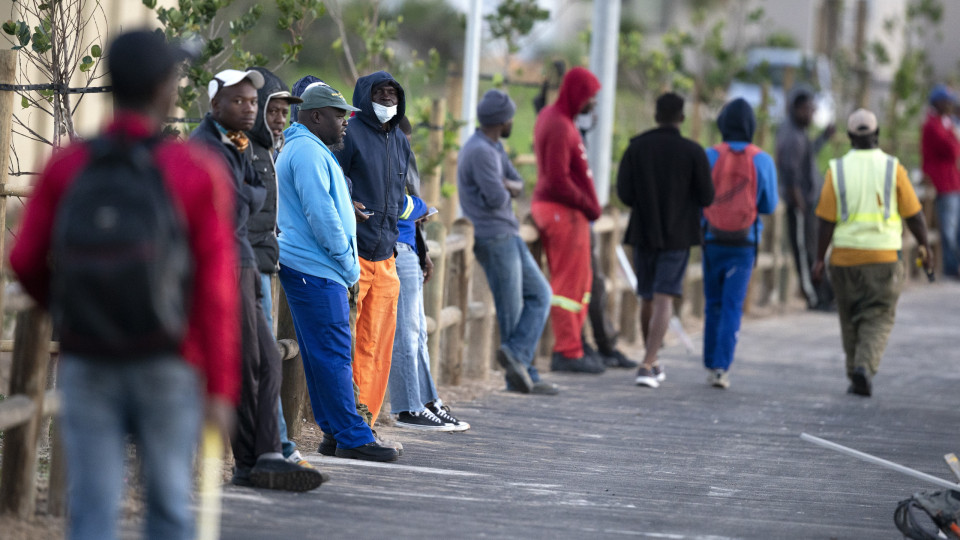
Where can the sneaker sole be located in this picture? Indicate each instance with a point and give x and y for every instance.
(346, 454)
(516, 374)
(649, 382)
(462, 426)
(420, 427)
(289, 481)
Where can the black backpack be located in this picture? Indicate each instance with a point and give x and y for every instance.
(120, 257)
(929, 515)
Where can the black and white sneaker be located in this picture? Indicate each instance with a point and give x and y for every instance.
(423, 420)
(442, 412)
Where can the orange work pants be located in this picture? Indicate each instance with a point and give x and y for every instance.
(379, 290)
(565, 235)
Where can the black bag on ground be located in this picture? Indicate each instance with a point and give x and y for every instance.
(120, 256)
(924, 515)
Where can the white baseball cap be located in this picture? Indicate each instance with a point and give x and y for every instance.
(230, 77)
(862, 122)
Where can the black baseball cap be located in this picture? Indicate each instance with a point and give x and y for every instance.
(142, 59)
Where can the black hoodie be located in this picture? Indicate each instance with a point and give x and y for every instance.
(262, 225)
(375, 164)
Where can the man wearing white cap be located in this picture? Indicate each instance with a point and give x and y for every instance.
(866, 197)
(256, 442)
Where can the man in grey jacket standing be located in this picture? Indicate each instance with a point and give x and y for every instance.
(800, 183)
(487, 182)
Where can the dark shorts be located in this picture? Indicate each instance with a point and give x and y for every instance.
(660, 271)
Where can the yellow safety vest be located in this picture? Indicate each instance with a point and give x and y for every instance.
(865, 183)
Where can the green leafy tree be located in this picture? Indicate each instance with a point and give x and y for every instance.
(221, 31)
(512, 21)
(50, 38)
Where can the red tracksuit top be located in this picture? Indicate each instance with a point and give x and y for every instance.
(563, 174)
(940, 150)
(201, 189)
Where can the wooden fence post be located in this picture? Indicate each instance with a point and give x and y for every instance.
(458, 273)
(430, 180)
(31, 353)
(293, 389)
(433, 292)
(8, 75)
(481, 332)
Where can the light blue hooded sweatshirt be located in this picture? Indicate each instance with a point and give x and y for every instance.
(318, 230)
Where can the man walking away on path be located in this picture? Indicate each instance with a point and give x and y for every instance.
(318, 263)
(564, 204)
(745, 184)
(155, 395)
(940, 150)
(665, 179)
(866, 196)
(266, 140)
(487, 182)
(256, 443)
(800, 183)
(413, 394)
(374, 157)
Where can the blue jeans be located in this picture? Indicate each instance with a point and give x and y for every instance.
(948, 213)
(157, 401)
(726, 274)
(321, 317)
(410, 383)
(266, 302)
(520, 293)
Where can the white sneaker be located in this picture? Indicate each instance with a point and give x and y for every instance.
(718, 378)
(647, 377)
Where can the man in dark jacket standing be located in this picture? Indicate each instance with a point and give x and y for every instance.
(374, 157)
(256, 443)
(665, 179)
(564, 204)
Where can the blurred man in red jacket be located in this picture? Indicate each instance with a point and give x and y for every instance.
(940, 150)
(564, 204)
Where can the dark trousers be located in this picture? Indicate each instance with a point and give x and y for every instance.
(604, 334)
(258, 430)
(802, 229)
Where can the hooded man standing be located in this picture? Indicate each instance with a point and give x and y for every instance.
(940, 151)
(564, 204)
(745, 183)
(374, 157)
(800, 183)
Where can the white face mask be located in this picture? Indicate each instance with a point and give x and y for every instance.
(384, 114)
(586, 122)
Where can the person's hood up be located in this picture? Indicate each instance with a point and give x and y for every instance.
(298, 89)
(795, 92)
(272, 85)
(362, 101)
(737, 122)
(578, 86)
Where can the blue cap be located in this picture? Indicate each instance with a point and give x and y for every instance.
(941, 92)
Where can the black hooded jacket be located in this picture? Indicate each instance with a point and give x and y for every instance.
(375, 163)
(262, 225)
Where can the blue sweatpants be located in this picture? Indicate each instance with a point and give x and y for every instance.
(321, 317)
(726, 274)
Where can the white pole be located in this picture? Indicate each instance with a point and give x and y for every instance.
(604, 44)
(878, 461)
(471, 69)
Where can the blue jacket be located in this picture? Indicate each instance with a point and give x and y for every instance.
(375, 164)
(318, 230)
(413, 209)
(737, 124)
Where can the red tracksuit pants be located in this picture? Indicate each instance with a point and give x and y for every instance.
(565, 234)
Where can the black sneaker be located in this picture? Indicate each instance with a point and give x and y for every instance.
(423, 420)
(584, 364)
(283, 475)
(516, 372)
(860, 383)
(368, 452)
(241, 477)
(328, 445)
(647, 377)
(617, 359)
(442, 412)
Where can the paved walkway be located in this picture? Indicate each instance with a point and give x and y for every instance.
(607, 459)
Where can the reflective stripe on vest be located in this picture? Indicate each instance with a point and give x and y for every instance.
(407, 208)
(867, 213)
(566, 304)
